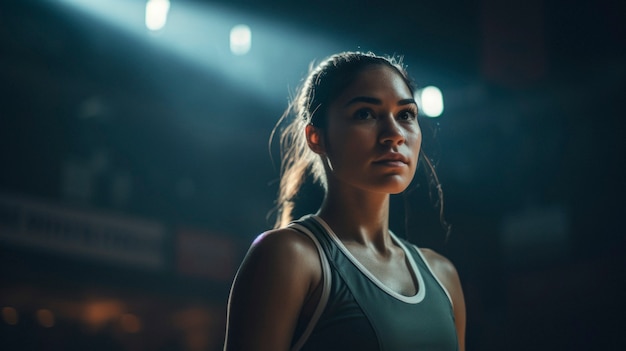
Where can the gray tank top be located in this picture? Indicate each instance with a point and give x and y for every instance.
(357, 312)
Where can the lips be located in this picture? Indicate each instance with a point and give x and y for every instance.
(392, 158)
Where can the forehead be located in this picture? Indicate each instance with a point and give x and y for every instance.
(377, 81)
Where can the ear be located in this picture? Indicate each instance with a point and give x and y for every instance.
(315, 140)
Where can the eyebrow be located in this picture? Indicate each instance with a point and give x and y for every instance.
(375, 101)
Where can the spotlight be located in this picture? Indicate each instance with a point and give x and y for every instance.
(431, 101)
(156, 14)
(240, 39)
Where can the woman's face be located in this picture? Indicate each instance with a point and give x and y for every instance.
(372, 139)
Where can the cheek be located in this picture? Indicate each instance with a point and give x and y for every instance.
(415, 140)
(349, 141)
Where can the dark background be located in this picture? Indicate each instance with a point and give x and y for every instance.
(100, 117)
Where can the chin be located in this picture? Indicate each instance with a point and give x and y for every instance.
(397, 191)
(394, 187)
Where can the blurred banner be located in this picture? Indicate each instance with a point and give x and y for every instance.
(81, 233)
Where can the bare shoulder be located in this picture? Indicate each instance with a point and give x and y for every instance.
(273, 284)
(443, 267)
(284, 251)
(285, 243)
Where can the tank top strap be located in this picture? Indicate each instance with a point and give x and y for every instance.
(306, 226)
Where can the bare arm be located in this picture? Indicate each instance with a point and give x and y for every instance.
(275, 279)
(449, 277)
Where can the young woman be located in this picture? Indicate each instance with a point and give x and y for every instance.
(340, 279)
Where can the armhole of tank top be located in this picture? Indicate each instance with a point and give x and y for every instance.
(326, 281)
(434, 275)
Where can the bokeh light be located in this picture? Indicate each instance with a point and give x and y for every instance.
(432, 101)
(10, 315)
(45, 317)
(240, 39)
(156, 14)
(130, 323)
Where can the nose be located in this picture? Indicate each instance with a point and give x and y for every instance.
(391, 132)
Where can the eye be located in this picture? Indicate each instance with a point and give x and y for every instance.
(407, 115)
(363, 114)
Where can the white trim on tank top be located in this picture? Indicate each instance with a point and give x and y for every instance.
(434, 275)
(326, 282)
(416, 273)
(326, 276)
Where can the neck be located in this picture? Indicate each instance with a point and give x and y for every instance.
(357, 217)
